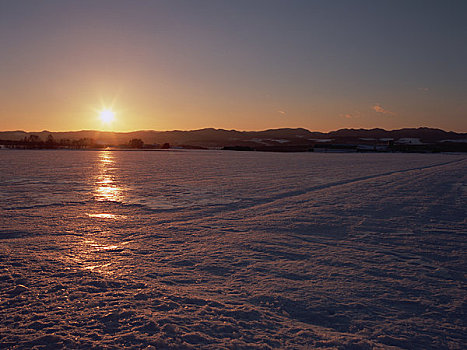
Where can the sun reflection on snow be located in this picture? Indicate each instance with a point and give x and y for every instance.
(98, 255)
(106, 189)
(106, 216)
(99, 249)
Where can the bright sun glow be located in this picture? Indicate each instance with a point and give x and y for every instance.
(107, 116)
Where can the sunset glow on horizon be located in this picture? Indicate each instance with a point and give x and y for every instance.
(239, 65)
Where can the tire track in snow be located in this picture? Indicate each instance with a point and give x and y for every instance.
(311, 189)
(246, 205)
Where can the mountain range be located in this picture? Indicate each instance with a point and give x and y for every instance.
(285, 138)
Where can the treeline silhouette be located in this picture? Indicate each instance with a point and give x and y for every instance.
(35, 142)
(139, 144)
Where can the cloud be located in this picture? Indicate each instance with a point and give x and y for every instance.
(353, 115)
(378, 109)
(282, 112)
(424, 89)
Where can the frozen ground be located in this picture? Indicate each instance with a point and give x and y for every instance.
(227, 250)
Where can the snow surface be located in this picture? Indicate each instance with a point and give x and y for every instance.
(232, 250)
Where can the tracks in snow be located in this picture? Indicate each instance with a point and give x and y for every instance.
(311, 189)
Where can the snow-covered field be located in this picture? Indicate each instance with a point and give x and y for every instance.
(214, 250)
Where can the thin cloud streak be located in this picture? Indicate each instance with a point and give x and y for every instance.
(353, 115)
(379, 109)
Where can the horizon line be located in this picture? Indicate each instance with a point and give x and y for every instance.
(234, 130)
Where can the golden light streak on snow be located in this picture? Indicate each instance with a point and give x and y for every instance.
(106, 189)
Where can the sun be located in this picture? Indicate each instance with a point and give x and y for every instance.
(107, 116)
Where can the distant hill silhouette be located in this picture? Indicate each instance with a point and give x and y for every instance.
(288, 139)
(427, 134)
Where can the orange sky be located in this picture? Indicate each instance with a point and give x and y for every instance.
(240, 65)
